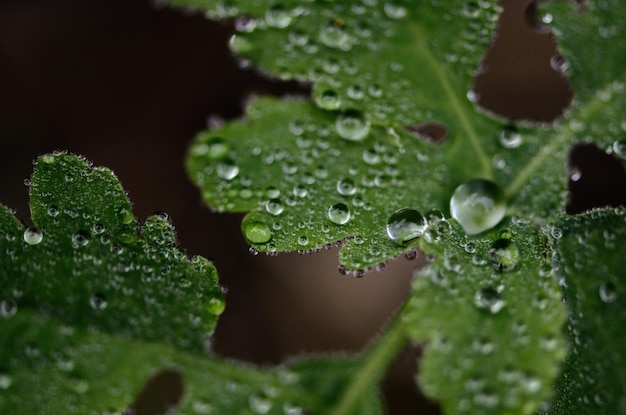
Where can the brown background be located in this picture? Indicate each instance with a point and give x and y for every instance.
(127, 85)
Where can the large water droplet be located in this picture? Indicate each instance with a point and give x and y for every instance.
(339, 213)
(478, 205)
(257, 232)
(33, 236)
(352, 126)
(405, 224)
(488, 299)
(505, 254)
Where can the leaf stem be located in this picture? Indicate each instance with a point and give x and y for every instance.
(377, 359)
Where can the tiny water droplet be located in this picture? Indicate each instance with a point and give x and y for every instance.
(6, 381)
(217, 148)
(125, 216)
(259, 404)
(80, 238)
(277, 17)
(352, 126)
(98, 302)
(346, 187)
(558, 63)
(471, 9)
(619, 148)
(257, 232)
(334, 36)
(608, 292)
(33, 236)
(8, 308)
(488, 299)
(328, 100)
(303, 240)
(274, 207)
(478, 205)
(339, 213)
(227, 169)
(510, 138)
(216, 306)
(505, 254)
(98, 228)
(53, 211)
(394, 11)
(405, 224)
(556, 233)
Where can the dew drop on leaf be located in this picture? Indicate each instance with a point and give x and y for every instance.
(277, 17)
(394, 11)
(80, 238)
(216, 306)
(619, 148)
(478, 205)
(6, 381)
(33, 236)
(8, 308)
(339, 213)
(53, 211)
(510, 138)
(227, 169)
(346, 187)
(404, 225)
(98, 302)
(303, 241)
(125, 216)
(257, 232)
(556, 233)
(259, 404)
(274, 207)
(328, 100)
(505, 254)
(608, 292)
(488, 299)
(216, 148)
(352, 126)
(334, 36)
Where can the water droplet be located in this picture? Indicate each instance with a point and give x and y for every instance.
(125, 216)
(274, 207)
(510, 138)
(217, 148)
(619, 148)
(558, 63)
(505, 254)
(277, 17)
(98, 302)
(201, 407)
(328, 100)
(371, 156)
(394, 11)
(608, 292)
(356, 92)
(8, 308)
(53, 211)
(227, 169)
(5, 381)
(488, 299)
(339, 213)
(80, 238)
(334, 36)
(216, 306)
(352, 126)
(478, 205)
(259, 404)
(257, 232)
(556, 233)
(33, 236)
(98, 228)
(405, 224)
(300, 191)
(346, 187)
(303, 240)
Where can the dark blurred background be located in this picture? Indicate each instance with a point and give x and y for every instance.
(128, 84)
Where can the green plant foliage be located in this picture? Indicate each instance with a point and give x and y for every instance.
(380, 71)
(47, 364)
(87, 262)
(492, 311)
(591, 268)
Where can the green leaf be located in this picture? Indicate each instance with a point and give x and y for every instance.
(591, 269)
(492, 313)
(47, 365)
(89, 263)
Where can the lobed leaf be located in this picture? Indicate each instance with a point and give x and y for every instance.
(491, 312)
(89, 263)
(48, 366)
(590, 266)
